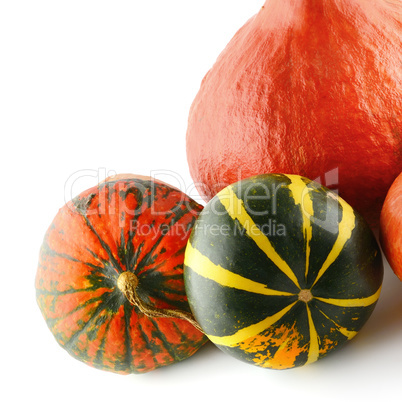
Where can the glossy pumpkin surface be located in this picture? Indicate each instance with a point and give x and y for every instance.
(308, 87)
(132, 225)
(391, 227)
(279, 271)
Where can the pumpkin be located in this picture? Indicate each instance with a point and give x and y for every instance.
(307, 87)
(279, 271)
(391, 227)
(127, 234)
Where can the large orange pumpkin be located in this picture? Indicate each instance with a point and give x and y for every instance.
(305, 87)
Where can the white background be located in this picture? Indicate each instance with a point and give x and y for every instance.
(88, 87)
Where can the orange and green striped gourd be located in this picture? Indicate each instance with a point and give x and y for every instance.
(280, 271)
(129, 229)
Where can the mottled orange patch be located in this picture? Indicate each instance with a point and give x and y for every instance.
(288, 341)
(114, 348)
(68, 325)
(326, 345)
(58, 307)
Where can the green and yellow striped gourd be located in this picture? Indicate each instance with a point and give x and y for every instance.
(279, 271)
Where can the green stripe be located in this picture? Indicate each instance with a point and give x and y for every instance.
(236, 210)
(346, 226)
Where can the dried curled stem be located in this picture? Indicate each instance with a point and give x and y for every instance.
(127, 282)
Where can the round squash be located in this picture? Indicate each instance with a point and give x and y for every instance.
(129, 233)
(279, 271)
(391, 227)
(306, 87)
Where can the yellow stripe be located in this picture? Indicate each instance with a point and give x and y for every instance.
(203, 266)
(346, 226)
(248, 332)
(235, 208)
(362, 302)
(314, 349)
(344, 331)
(301, 196)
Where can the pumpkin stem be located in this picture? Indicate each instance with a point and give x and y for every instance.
(127, 283)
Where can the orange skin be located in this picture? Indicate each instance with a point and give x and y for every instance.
(391, 227)
(305, 87)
